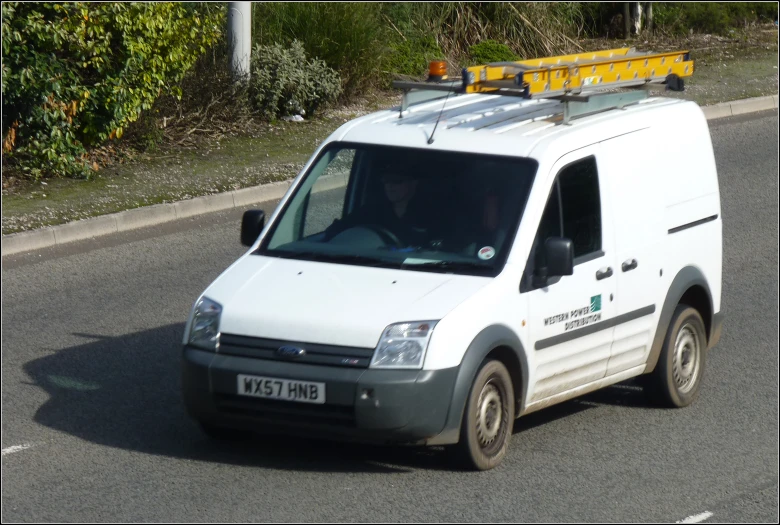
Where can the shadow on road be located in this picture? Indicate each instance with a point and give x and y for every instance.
(627, 394)
(125, 392)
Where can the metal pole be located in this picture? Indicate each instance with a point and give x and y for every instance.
(239, 36)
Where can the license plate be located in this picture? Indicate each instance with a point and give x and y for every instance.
(283, 389)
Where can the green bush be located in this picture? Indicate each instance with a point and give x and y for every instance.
(350, 37)
(599, 19)
(722, 16)
(411, 56)
(710, 17)
(491, 51)
(678, 18)
(706, 17)
(77, 74)
(669, 18)
(285, 82)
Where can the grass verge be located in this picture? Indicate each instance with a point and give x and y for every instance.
(742, 66)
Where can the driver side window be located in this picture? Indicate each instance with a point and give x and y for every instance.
(319, 201)
(573, 211)
(550, 226)
(325, 202)
(581, 207)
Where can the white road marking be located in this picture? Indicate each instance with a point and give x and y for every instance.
(16, 448)
(696, 518)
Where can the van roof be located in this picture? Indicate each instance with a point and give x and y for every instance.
(496, 124)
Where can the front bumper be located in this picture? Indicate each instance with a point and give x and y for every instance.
(385, 406)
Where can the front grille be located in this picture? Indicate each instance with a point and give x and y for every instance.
(286, 411)
(316, 354)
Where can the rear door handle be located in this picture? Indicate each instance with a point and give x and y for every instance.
(603, 273)
(629, 265)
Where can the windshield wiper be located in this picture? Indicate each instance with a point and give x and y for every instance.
(362, 260)
(446, 266)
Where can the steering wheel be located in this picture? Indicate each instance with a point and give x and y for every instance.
(386, 236)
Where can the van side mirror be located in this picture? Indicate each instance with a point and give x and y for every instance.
(252, 224)
(559, 260)
(559, 253)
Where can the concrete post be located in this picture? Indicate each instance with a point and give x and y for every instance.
(636, 15)
(239, 36)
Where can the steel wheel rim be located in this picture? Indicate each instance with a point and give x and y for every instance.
(491, 419)
(686, 360)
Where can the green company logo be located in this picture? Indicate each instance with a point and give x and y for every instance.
(595, 303)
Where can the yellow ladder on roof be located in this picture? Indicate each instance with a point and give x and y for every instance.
(577, 80)
(570, 74)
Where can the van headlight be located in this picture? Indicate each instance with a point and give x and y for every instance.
(403, 345)
(204, 330)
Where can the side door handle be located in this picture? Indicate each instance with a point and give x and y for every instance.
(629, 265)
(604, 273)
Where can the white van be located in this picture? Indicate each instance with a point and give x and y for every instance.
(418, 291)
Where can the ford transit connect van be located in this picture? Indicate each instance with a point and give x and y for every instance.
(439, 269)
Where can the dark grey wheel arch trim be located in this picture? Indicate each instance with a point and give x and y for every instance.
(685, 279)
(492, 337)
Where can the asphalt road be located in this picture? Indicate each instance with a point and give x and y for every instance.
(93, 427)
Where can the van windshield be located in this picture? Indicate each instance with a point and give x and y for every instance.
(404, 208)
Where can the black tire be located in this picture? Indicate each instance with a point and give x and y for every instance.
(677, 377)
(218, 433)
(484, 439)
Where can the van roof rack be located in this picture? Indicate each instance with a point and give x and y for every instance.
(574, 79)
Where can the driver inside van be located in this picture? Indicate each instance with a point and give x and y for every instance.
(400, 217)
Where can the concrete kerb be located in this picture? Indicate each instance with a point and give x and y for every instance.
(80, 230)
(145, 216)
(740, 107)
(750, 105)
(28, 241)
(717, 111)
(139, 218)
(205, 204)
(266, 192)
(161, 213)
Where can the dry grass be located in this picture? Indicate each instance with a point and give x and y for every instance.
(530, 29)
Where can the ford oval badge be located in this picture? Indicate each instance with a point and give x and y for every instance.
(290, 352)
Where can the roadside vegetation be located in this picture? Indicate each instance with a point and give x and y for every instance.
(136, 104)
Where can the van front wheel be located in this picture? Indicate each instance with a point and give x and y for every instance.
(487, 419)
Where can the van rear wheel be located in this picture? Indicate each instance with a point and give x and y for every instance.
(677, 377)
(488, 418)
